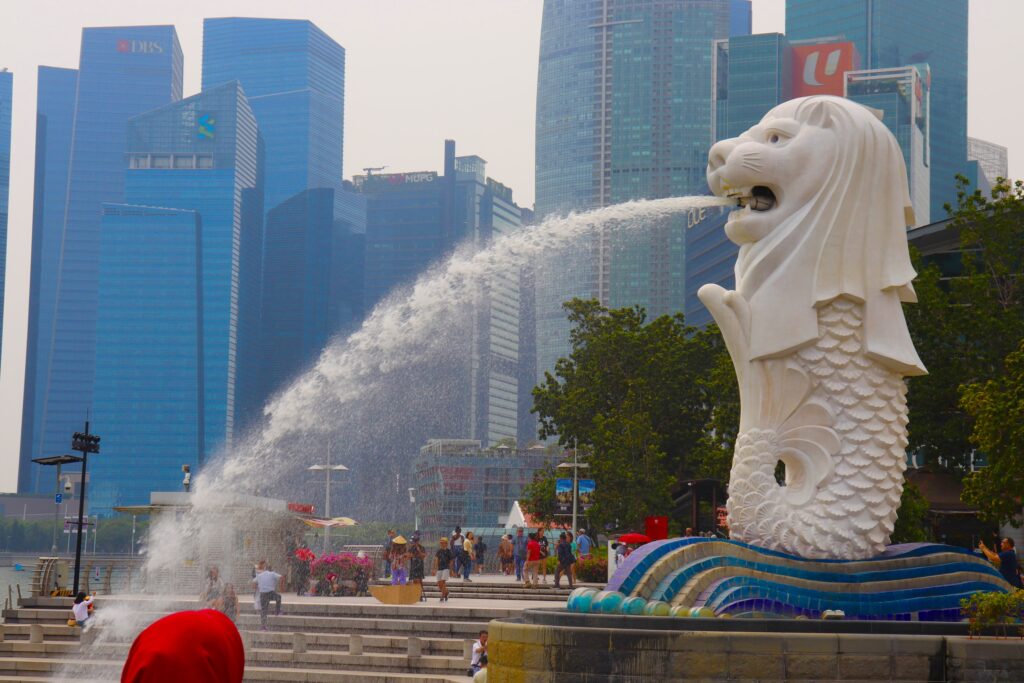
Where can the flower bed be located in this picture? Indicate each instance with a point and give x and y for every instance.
(341, 574)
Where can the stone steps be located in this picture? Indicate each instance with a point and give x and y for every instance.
(311, 642)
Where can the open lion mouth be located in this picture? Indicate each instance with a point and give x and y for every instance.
(759, 198)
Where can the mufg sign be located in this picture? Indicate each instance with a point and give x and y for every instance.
(143, 46)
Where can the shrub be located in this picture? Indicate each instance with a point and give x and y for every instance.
(994, 610)
(594, 570)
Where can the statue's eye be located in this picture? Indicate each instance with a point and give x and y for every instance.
(774, 138)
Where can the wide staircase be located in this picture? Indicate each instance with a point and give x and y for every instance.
(331, 640)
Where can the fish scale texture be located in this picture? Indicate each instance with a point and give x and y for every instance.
(850, 514)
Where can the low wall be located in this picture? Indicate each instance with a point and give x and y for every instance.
(541, 653)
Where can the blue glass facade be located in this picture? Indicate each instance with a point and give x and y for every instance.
(624, 111)
(148, 402)
(297, 276)
(204, 154)
(896, 33)
(413, 221)
(55, 116)
(123, 71)
(294, 76)
(6, 98)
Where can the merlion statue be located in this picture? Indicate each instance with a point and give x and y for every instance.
(815, 327)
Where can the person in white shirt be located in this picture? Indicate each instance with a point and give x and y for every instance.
(479, 658)
(266, 582)
(80, 609)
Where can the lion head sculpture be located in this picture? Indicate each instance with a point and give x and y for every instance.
(826, 207)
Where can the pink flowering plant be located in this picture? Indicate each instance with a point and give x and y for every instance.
(341, 568)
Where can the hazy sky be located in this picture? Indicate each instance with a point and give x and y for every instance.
(417, 72)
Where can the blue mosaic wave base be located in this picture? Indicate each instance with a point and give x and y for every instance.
(705, 577)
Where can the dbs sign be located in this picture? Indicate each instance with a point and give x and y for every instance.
(820, 69)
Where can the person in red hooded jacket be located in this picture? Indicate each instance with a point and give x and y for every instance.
(199, 647)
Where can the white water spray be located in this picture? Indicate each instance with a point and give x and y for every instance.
(401, 332)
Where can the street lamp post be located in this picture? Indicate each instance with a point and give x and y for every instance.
(575, 465)
(415, 512)
(327, 496)
(85, 443)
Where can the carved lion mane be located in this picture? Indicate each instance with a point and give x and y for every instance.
(849, 240)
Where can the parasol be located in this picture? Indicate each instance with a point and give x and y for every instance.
(634, 538)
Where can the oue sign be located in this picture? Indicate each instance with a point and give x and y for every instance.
(695, 216)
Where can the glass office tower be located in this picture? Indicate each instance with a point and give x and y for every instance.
(297, 274)
(294, 76)
(55, 115)
(6, 94)
(899, 33)
(148, 403)
(123, 71)
(624, 111)
(204, 154)
(413, 221)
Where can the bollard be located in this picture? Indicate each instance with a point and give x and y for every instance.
(415, 647)
(2, 634)
(467, 650)
(298, 643)
(35, 633)
(355, 645)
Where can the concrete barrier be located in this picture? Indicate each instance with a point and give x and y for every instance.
(35, 633)
(415, 646)
(299, 643)
(355, 645)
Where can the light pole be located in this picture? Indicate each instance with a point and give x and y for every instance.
(575, 465)
(415, 512)
(328, 468)
(85, 443)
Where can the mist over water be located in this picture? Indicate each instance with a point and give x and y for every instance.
(393, 377)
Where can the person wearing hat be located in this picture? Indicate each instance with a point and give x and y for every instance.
(442, 566)
(399, 561)
(416, 556)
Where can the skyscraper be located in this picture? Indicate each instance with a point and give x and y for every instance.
(413, 221)
(204, 154)
(991, 157)
(123, 71)
(899, 33)
(297, 283)
(6, 95)
(294, 76)
(149, 354)
(623, 112)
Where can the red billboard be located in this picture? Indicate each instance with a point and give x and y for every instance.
(820, 69)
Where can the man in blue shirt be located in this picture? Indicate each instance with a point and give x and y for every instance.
(1005, 560)
(584, 544)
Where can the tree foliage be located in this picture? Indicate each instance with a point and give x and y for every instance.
(642, 397)
(912, 524)
(997, 407)
(967, 321)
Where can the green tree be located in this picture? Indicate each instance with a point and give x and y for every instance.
(967, 321)
(641, 396)
(538, 497)
(997, 407)
(912, 517)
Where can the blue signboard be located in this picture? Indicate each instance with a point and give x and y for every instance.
(58, 498)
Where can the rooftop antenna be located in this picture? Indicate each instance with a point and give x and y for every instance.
(370, 169)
